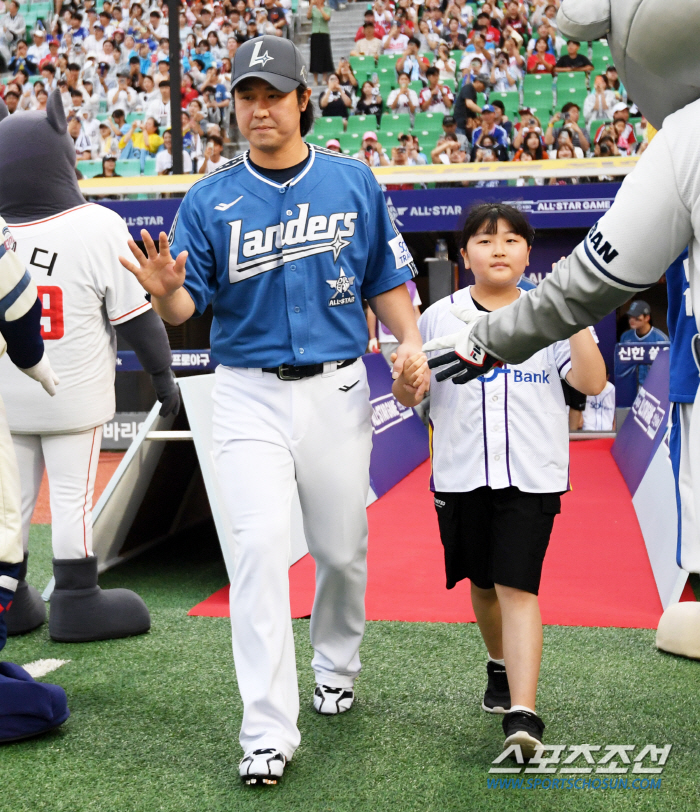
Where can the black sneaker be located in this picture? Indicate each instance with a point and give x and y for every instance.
(523, 728)
(497, 696)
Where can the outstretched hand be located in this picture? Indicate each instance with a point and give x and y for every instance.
(467, 359)
(156, 271)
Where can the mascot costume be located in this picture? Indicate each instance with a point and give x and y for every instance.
(71, 247)
(27, 708)
(655, 216)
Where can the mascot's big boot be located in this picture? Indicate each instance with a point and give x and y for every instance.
(28, 610)
(679, 630)
(82, 612)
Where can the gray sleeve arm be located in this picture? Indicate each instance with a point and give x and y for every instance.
(147, 337)
(626, 252)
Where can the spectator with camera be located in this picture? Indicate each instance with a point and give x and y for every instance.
(141, 138)
(408, 61)
(568, 119)
(370, 102)
(335, 101)
(532, 145)
(600, 101)
(371, 151)
(213, 158)
(503, 76)
(489, 127)
(403, 99)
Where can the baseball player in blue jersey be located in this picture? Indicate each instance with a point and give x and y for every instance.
(284, 242)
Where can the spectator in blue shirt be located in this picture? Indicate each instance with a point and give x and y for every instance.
(639, 317)
(22, 61)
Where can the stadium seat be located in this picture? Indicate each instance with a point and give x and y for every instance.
(350, 143)
(417, 86)
(387, 75)
(89, 169)
(600, 50)
(481, 99)
(537, 81)
(571, 95)
(576, 80)
(361, 63)
(457, 56)
(396, 123)
(451, 83)
(428, 122)
(317, 138)
(387, 62)
(132, 117)
(360, 124)
(429, 55)
(102, 116)
(149, 166)
(540, 102)
(385, 89)
(128, 168)
(330, 126)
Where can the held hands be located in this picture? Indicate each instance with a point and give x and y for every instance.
(471, 359)
(414, 380)
(157, 272)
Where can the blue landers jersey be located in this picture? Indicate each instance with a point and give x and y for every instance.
(681, 328)
(286, 266)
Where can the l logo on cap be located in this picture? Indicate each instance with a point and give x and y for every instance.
(259, 60)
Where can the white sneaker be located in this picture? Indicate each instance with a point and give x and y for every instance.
(330, 701)
(263, 766)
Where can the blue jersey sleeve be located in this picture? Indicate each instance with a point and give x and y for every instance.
(389, 262)
(188, 234)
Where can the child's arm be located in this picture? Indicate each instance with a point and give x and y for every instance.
(587, 373)
(413, 382)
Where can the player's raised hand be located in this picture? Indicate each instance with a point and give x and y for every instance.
(158, 273)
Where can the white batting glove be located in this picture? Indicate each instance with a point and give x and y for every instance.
(471, 359)
(43, 373)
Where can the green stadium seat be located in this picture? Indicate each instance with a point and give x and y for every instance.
(599, 49)
(149, 166)
(90, 168)
(481, 99)
(387, 75)
(510, 99)
(541, 102)
(571, 95)
(428, 122)
(317, 138)
(130, 168)
(34, 79)
(429, 55)
(385, 89)
(361, 63)
(102, 116)
(132, 117)
(400, 123)
(537, 81)
(576, 80)
(360, 124)
(457, 56)
(331, 126)
(417, 86)
(387, 61)
(451, 83)
(350, 143)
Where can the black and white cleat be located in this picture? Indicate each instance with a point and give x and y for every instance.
(330, 701)
(264, 766)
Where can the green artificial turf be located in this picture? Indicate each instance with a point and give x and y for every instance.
(155, 719)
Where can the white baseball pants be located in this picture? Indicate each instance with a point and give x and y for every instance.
(10, 500)
(267, 433)
(71, 463)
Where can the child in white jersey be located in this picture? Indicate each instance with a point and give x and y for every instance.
(500, 460)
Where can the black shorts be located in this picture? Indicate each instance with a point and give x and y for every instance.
(496, 536)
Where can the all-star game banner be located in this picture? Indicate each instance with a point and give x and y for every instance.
(430, 209)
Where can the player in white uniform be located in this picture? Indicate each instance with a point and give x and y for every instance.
(285, 242)
(72, 249)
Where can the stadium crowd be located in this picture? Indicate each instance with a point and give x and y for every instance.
(427, 81)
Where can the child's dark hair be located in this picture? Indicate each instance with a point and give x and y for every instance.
(485, 217)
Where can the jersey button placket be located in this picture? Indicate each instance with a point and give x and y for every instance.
(295, 286)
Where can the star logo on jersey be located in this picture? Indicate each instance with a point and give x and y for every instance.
(256, 59)
(341, 286)
(337, 245)
(395, 212)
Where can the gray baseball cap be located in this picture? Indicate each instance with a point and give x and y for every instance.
(274, 59)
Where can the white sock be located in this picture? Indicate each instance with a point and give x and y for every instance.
(498, 662)
(521, 708)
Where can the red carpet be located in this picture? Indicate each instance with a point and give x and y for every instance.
(596, 572)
